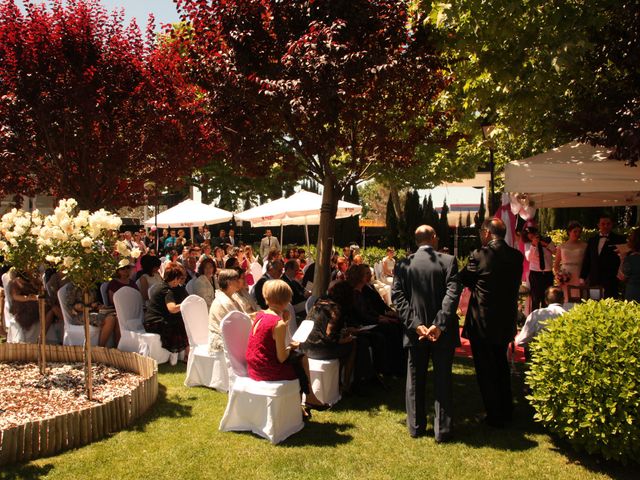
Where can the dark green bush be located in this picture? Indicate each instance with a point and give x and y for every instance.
(585, 377)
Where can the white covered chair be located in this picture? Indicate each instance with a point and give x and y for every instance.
(256, 271)
(9, 320)
(133, 337)
(202, 367)
(311, 301)
(74, 334)
(268, 409)
(104, 293)
(189, 287)
(377, 271)
(153, 289)
(325, 380)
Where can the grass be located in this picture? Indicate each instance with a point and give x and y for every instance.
(362, 437)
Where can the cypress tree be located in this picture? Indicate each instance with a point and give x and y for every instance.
(443, 230)
(392, 224)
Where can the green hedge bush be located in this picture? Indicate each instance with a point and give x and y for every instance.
(585, 377)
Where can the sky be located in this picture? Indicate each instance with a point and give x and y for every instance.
(163, 10)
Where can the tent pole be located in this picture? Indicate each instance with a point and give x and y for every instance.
(191, 233)
(306, 232)
(281, 236)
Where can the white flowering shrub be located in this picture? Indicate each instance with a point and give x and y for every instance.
(84, 245)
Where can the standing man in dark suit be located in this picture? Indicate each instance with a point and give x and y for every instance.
(426, 293)
(493, 274)
(601, 262)
(231, 238)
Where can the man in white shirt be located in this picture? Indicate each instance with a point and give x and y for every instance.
(267, 243)
(540, 256)
(538, 319)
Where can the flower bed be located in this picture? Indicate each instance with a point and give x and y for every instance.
(78, 421)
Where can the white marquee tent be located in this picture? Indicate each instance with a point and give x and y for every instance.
(574, 175)
(190, 213)
(301, 208)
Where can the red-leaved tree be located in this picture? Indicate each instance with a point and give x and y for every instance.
(92, 109)
(331, 89)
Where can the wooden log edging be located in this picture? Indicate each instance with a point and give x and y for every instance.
(50, 436)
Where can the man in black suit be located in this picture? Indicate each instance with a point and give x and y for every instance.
(601, 262)
(493, 274)
(274, 272)
(231, 238)
(300, 295)
(426, 293)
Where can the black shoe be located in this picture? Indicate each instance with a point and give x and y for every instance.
(321, 407)
(446, 438)
(418, 434)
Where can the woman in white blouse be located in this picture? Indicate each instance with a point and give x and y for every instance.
(203, 286)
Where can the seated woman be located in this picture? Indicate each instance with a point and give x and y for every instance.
(243, 297)
(330, 339)
(150, 275)
(388, 265)
(163, 313)
(203, 285)
(24, 307)
(122, 278)
(269, 358)
(105, 321)
(223, 303)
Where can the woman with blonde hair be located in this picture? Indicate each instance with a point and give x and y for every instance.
(269, 358)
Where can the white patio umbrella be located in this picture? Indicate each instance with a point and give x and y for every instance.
(301, 208)
(189, 214)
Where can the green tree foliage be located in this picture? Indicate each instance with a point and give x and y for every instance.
(429, 214)
(480, 215)
(412, 217)
(546, 71)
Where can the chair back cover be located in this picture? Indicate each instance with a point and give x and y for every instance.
(129, 309)
(377, 270)
(104, 293)
(256, 271)
(62, 294)
(292, 325)
(196, 320)
(189, 286)
(311, 301)
(235, 328)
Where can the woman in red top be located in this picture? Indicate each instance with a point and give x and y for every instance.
(269, 358)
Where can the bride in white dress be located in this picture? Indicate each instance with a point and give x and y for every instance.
(569, 256)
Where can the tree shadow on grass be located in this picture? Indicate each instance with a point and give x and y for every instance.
(595, 463)
(164, 407)
(30, 471)
(326, 434)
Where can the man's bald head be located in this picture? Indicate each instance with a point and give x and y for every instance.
(425, 235)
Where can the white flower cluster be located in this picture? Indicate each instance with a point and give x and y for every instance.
(17, 224)
(55, 233)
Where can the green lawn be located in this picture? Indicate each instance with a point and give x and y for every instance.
(363, 437)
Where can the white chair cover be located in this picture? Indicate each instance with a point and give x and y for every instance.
(133, 337)
(325, 380)
(377, 271)
(104, 293)
(256, 271)
(310, 303)
(202, 367)
(74, 334)
(189, 286)
(9, 320)
(268, 409)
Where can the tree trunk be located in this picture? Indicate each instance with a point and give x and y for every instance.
(43, 330)
(88, 373)
(325, 237)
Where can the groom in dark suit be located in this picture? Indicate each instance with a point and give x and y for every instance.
(426, 294)
(493, 274)
(601, 262)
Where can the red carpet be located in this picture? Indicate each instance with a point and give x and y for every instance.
(464, 350)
